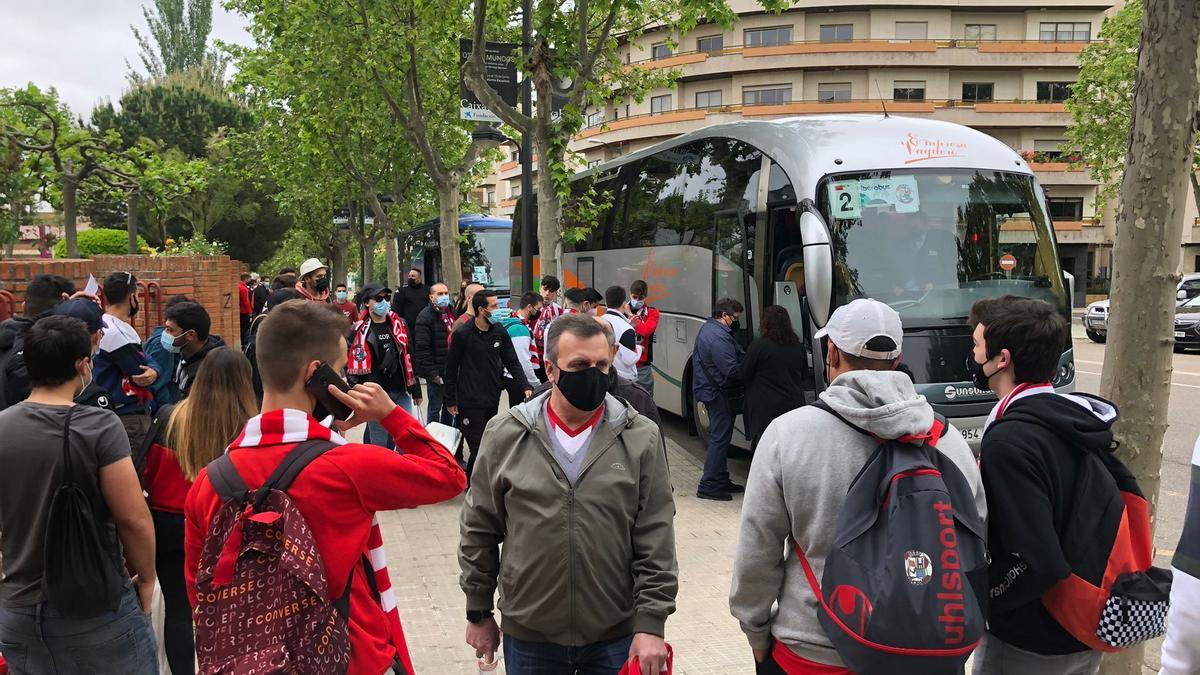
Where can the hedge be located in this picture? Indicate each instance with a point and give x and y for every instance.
(99, 242)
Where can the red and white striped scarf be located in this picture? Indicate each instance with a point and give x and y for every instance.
(288, 427)
(360, 352)
(448, 318)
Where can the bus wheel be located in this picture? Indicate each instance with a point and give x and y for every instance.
(1095, 337)
(700, 417)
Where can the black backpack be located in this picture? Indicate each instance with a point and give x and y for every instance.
(905, 583)
(81, 579)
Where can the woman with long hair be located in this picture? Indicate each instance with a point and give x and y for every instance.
(773, 371)
(186, 438)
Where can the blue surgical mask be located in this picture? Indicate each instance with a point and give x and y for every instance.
(341, 296)
(499, 315)
(443, 301)
(168, 343)
(635, 304)
(381, 308)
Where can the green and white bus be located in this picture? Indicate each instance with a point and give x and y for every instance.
(810, 213)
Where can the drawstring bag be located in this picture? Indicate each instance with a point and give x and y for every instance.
(81, 579)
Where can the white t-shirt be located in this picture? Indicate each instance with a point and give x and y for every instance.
(628, 351)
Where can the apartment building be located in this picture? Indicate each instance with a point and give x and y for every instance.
(1001, 66)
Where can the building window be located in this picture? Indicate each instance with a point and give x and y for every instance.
(491, 197)
(768, 37)
(1049, 150)
(660, 104)
(912, 30)
(710, 44)
(1053, 92)
(514, 191)
(708, 99)
(592, 163)
(908, 91)
(1065, 32)
(766, 96)
(833, 91)
(837, 32)
(660, 50)
(595, 118)
(1065, 208)
(977, 92)
(980, 31)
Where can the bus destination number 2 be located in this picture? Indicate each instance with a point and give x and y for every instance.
(844, 200)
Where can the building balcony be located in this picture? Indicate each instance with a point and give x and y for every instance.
(871, 53)
(675, 122)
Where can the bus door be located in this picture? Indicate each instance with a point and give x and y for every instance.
(732, 257)
(786, 282)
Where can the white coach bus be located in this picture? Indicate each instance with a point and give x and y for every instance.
(810, 213)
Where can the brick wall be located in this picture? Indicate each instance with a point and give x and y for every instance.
(210, 280)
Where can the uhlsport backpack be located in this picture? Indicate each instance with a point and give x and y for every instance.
(905, 582)
(1114, 598)
(263, 604)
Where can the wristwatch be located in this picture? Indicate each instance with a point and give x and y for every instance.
(478, 615)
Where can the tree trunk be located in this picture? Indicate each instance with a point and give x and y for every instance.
(337, 258)
(392, 252)
(69, 187)
(16, 219)
(448, 237)
(131, 222)
(549, 212)
(368, 261)
(1137, 359)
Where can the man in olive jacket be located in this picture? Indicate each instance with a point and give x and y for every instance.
(575, 484)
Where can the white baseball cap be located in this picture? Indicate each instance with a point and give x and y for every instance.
(855, 324)
(311, 265)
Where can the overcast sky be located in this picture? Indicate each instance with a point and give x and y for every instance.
(80, 46)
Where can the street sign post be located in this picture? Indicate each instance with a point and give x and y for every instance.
(500, 71)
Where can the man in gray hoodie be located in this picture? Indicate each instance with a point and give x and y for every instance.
(803, 467)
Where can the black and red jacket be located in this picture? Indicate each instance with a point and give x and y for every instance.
(1030, 460)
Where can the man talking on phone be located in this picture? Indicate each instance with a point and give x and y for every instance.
(340, 492)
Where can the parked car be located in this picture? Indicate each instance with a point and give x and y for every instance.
(1187, 325)
(1095, 321)
(1188, 288)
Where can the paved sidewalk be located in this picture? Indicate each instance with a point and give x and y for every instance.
(422, 547)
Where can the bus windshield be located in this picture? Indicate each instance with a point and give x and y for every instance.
(931, 242)
(485, 257)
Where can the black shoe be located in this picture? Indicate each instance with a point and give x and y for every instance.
(734, 488)
(717, 496)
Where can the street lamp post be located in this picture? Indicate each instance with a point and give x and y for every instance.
(526, 215)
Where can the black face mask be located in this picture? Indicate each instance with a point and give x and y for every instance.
(980, 379)
(412, 283)
(322, 285)
(583, 389)
(735, 326)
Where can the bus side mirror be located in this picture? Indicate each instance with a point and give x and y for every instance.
(1181, 295)
(818, 267)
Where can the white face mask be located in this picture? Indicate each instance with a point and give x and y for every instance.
(85, 383)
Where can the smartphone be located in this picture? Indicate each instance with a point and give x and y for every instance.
(318, 386)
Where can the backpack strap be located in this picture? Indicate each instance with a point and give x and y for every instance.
(153, 434)
(822, 405)
(227, 481)
(299, 457)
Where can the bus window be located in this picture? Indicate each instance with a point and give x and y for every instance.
(655, 206)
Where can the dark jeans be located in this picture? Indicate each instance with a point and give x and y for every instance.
(36, 640)
(546, 658)
(437, 407)
(244, 324)
(179, 641)
(471, 421)
(720, 432)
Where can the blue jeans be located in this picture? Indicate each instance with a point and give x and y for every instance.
(375, 434)
(720, 433)
(546, 658)
(436, 397)
(36, 640)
